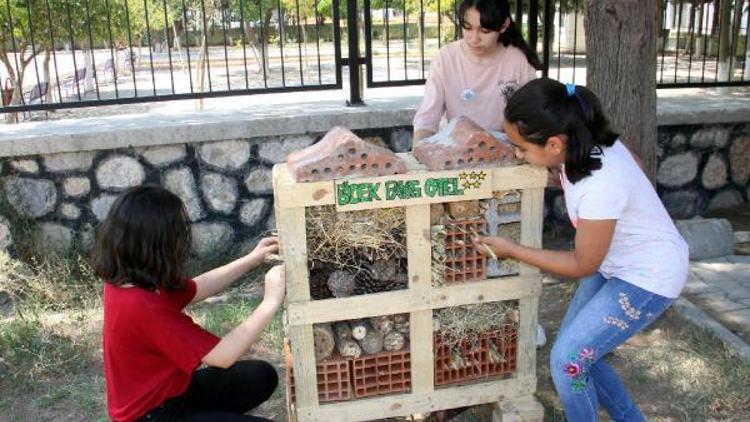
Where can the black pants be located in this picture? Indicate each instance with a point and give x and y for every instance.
(218, 394)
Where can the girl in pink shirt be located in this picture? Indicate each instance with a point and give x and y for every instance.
(475, 75)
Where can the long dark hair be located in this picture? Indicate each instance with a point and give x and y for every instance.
(544, 107)
(492, 16)
(144, 240)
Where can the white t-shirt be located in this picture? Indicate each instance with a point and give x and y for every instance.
(646, 250)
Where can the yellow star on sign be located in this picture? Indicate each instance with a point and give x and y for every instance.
(482, 175)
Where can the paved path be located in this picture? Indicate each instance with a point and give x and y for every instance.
(721, 288)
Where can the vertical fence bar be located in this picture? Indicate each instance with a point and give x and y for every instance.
(368, 41)
(34, 52)
(91, 52)
(355, 93)
(72, 46)
(677, 46)
(533, 24)
(734, 40)
(721, 29)
(747, 39)
(317, 40)
(549, 20)
(169, 45)
(706, 36)
(281, 41)
(150, 47)
(244, 42)
(387, 39)
(519, 13)
(406, 48)
(299, 43)
(337, 42)
(226, 54)
(54, 54)
(185, 28)
(204, 20)
(263, 44)
(559, 36)
(422, 31)
(111, 48)
(440, 24)
(575, 37)
(691, 41)
(665, 36)
(130, 52)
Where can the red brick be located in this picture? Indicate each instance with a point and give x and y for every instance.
(463, 144)
(343, 154)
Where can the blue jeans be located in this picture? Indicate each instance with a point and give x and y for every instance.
(602, 315)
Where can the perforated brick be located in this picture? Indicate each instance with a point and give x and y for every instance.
(382, 373)
(333, 374)
(495, 355)
(340, 154)
(463, 262)
(463, 144)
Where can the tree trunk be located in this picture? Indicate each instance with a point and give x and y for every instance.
(725, 29)
(46, 75)
(621, 50)
(88, 84)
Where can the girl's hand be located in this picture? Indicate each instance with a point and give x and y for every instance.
(275, 286)
(266, 246)
(502, 247)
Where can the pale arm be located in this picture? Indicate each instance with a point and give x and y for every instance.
(592, 241)
(231, 347)
(218, 279)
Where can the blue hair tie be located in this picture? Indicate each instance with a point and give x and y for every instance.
(571, 88)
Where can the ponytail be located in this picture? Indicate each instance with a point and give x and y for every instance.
(492, 15)
(544, 107)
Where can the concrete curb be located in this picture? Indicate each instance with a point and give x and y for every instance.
(696, 316)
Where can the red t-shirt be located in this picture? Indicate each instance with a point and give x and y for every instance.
(151, 348)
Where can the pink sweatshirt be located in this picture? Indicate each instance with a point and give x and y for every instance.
(462, 85)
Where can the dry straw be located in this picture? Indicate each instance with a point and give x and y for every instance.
(459, 323)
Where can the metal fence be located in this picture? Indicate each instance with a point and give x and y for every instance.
(75, 53)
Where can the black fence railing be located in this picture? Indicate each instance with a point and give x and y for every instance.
(75, 53)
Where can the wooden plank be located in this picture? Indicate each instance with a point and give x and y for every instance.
(293, 237)
(420, 282)
(532, 219)
(305, 371)
(291, 194)
(408, 404)
(522, 409)
(528, 308)
(411, 300)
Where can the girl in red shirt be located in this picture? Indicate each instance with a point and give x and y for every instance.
(151, 348)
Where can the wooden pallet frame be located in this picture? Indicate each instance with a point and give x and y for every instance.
(513, 397)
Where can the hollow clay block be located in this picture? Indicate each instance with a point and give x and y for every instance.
(341, 154)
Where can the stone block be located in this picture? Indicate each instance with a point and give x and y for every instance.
(739, 318)
(225, 155)
(259, 181)
(683, 203)
(164, 155)
(100, 206)
(739, 160)
(463, 144)
(68, 161)
(25, 166)
(707, 238)
(401, 140)
(714, 173)
(55, 237)
(119, 172)
(211, 238)
(181, 182)
(340, 154)
(6, 238)
(33, 197)
(729, 198)
(716, 136)
(70, 211)
(716, 302)
(76, 186)
(219, 191)
(678, 170)
(252, 212)
(277, 150)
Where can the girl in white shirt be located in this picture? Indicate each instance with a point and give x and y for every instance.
(630, 257)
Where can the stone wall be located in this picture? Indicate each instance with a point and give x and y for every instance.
(225, 185)
(701, 168)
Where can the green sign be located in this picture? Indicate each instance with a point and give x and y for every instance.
(354, 193)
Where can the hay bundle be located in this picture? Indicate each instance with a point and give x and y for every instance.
(459, 323)
(352, 239)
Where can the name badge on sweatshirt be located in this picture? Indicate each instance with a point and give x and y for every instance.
(468, 95)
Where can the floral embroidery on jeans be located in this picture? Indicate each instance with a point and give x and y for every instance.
(630, 311)
(577, 368)
(617, 322)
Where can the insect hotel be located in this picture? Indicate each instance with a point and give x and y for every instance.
(391, 310)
